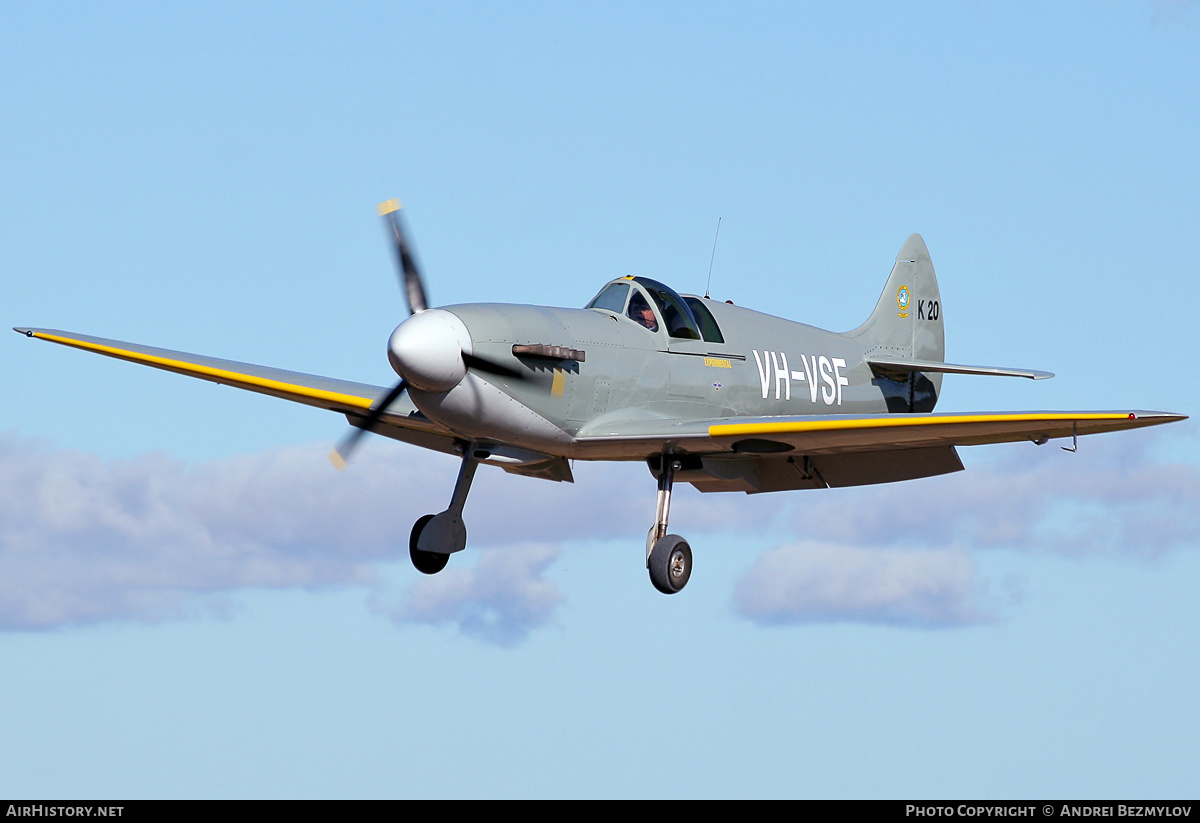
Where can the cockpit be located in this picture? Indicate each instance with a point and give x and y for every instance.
(655, 306)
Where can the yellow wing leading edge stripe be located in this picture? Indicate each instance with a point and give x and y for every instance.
(798, 426)
(222, 375)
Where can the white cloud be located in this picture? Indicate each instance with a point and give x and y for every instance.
(898, 554)
(499, 600)
(817, 582)
(84, 540)
(1109, 499)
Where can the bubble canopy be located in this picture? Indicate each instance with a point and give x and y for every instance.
(628, 297)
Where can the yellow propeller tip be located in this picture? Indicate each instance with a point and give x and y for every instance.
(337, 460)
(389, 206)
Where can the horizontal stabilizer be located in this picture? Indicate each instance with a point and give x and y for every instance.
(887, 367)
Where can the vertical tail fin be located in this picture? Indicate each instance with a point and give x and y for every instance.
(907, 323)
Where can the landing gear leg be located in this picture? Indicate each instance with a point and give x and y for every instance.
(436, 536)
(668, 556)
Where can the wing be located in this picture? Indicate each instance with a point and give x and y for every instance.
(402, 421)
(831, 433)
(814, 451)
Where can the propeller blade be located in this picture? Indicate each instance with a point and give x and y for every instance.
(341, 453)
(410, 275)
(474, 361)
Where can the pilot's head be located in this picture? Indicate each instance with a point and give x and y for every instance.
(647, 318)
(640, 311)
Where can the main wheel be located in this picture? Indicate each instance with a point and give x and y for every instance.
(425, 562)
(670, 564)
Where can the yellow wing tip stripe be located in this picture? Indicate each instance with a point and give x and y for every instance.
(221, 375)
(800, 426)
(389, 206)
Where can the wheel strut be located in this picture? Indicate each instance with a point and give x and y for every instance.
(666, 479)
(668, 556)
(436, 536)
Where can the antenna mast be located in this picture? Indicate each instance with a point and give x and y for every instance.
(711, 259)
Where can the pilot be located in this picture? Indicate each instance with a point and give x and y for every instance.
(640, 312)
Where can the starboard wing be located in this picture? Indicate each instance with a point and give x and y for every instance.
(402, 421)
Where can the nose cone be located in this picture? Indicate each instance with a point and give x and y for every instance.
(427, 349)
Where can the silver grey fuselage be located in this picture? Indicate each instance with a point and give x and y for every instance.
(766, 366)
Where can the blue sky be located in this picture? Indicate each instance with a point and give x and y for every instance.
(193, 603)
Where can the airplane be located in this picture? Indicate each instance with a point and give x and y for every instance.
(704, 392)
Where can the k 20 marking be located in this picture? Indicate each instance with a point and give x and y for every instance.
(929, 310)
(822, 375)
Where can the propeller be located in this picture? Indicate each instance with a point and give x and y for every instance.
(410, 275)
(428, 351)
(341, 453)
(414, 292)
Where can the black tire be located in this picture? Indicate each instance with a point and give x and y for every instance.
(670, 564)
(425, 562)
